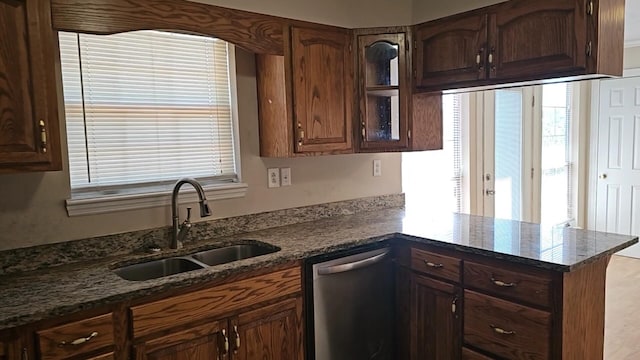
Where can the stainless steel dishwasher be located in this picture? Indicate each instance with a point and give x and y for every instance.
(352, 306)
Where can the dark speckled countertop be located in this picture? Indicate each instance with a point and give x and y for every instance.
(36, 295)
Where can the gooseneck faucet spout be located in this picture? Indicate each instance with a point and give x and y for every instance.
(179, 232)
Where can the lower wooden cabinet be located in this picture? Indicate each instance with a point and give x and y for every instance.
(435, 319)
(270, 332)
(204, 342)
(78, 338)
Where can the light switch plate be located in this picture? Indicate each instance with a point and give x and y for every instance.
(285, 176)
(273, 177)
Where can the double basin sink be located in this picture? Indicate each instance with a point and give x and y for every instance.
(200, 260)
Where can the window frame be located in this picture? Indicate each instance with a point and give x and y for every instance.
(151, 195)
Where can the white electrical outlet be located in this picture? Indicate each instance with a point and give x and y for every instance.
(285, 176)
(377, 167)
(273, 177)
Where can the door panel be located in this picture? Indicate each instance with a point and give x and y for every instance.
(506, 120)
(202, 342)
(322, 90)
(451, 51)
(269, 333)
(537, 37)
(618, 159)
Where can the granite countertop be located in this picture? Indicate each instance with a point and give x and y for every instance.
(42, 294)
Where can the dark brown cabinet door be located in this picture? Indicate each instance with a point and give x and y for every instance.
(435, 319)
(322, 90)
(203, 342)
(450, 51)
(384, 92)
(271, 332)
(29, 134)
(529, 39)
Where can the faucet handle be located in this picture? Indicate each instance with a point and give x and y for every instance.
(188, 219)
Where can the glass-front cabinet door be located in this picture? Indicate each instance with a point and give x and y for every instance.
(383, 90)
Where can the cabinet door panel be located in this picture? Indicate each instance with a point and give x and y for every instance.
(384, 92)
(322, 90)
(537, 38)
(451, 51)
(435, 320)
(203, 342)
(272, 332)
(29, 136)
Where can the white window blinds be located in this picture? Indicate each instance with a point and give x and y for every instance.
(146, 107)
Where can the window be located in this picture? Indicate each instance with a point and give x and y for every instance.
(146, 108)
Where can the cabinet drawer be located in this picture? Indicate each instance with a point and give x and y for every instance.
(87, 335)
(506, 329)
(529, 288)
(472, 355)
(435, 264)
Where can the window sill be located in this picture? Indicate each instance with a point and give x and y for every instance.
(122, 202)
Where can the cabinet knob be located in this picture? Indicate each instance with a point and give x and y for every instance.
(602, 176)
(43, 136)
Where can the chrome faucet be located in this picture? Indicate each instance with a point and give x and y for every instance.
(180, 230)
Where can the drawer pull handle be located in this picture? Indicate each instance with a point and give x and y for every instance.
(501, 331)
(502, 283)
(79, 341)
(433, 265)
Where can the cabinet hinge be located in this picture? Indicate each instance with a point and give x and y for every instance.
(415, 44)
(532, 172)
(589, 49)
(533, 101)
(350, 49)
(409, 134)
(454, 305)
(415, 73)
(589, 7)
(406, 45)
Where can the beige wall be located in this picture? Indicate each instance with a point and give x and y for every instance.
(425, 10)
(32, 210)
(632, 58)
(345, 13)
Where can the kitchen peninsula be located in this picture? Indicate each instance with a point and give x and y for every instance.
(525, 291)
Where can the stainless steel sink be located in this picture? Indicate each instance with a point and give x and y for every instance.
(157, 269)
(232, 253)
(176, 265)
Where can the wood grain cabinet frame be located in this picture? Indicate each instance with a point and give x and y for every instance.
(29, 126)
(521, 41)
(496, 309)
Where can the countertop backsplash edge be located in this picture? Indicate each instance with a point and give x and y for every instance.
(57, 254)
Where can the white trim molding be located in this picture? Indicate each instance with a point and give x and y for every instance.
(123, 202)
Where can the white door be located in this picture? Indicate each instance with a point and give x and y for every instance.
(507, 127)
(618, 160)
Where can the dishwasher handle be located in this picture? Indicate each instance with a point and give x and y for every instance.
(328, 270)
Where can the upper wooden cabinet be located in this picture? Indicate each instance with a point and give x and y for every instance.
(322, 89)
(389, 117)
(305, 98)
(451, 50)
(29, 133)
(520, 40)
(384, 92)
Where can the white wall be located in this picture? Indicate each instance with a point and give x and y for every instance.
(32, 210)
